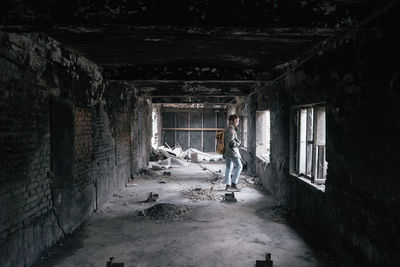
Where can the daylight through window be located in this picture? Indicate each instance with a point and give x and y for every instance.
(310, 143)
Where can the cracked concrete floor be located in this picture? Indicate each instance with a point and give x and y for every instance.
(212, 233)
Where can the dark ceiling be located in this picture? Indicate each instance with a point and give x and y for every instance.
(190, 51)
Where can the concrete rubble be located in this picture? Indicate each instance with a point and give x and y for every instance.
(275, 213)
(199, 193)
(166, 212)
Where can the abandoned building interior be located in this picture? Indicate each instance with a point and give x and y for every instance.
(108, 123)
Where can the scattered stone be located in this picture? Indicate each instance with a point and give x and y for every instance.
(162, 182)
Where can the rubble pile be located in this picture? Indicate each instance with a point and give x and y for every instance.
(166, 212)
(276, 213)
(201, 194)
(179, 156)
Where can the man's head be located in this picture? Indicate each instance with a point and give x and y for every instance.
(234, 120)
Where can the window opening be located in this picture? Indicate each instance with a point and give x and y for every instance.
(244, 131)
(310, 146)
(263, 134)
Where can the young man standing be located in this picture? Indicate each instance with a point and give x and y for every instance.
(232, 155)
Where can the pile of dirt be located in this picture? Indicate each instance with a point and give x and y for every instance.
(199, 193)
(276, 213)
(166, 212)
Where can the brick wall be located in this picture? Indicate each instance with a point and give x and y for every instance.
(83, 147)
(63, 151)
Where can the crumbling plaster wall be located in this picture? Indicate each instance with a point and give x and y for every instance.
(63, 151)
(358, 214)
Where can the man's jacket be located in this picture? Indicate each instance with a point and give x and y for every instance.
(232, 143)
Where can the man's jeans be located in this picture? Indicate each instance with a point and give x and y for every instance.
(236, 165)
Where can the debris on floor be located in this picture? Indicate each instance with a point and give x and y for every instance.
(265, 263)
(275, 213)
(155, 155)
(199, 193)
(251, 182)
(166, 151)
(202, 156)
(156, 167)
(152, 197)
(166, 212)
(229, 197)
(164, 154)
(147, 172)
(172, 162)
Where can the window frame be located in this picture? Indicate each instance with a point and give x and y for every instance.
(312, 170)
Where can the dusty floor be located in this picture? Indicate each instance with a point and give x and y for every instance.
(206, 232)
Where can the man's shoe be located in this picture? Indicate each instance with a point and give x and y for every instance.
(234, 186)
(228, 187)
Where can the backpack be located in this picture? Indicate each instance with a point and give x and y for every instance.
(221, 142)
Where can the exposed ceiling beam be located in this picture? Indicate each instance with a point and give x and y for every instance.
(193, 88)
(194, 99)
(186, 72)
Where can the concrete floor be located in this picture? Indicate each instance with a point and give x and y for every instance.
(214, 233)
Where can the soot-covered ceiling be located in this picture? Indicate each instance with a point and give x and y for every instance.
(189, 51)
